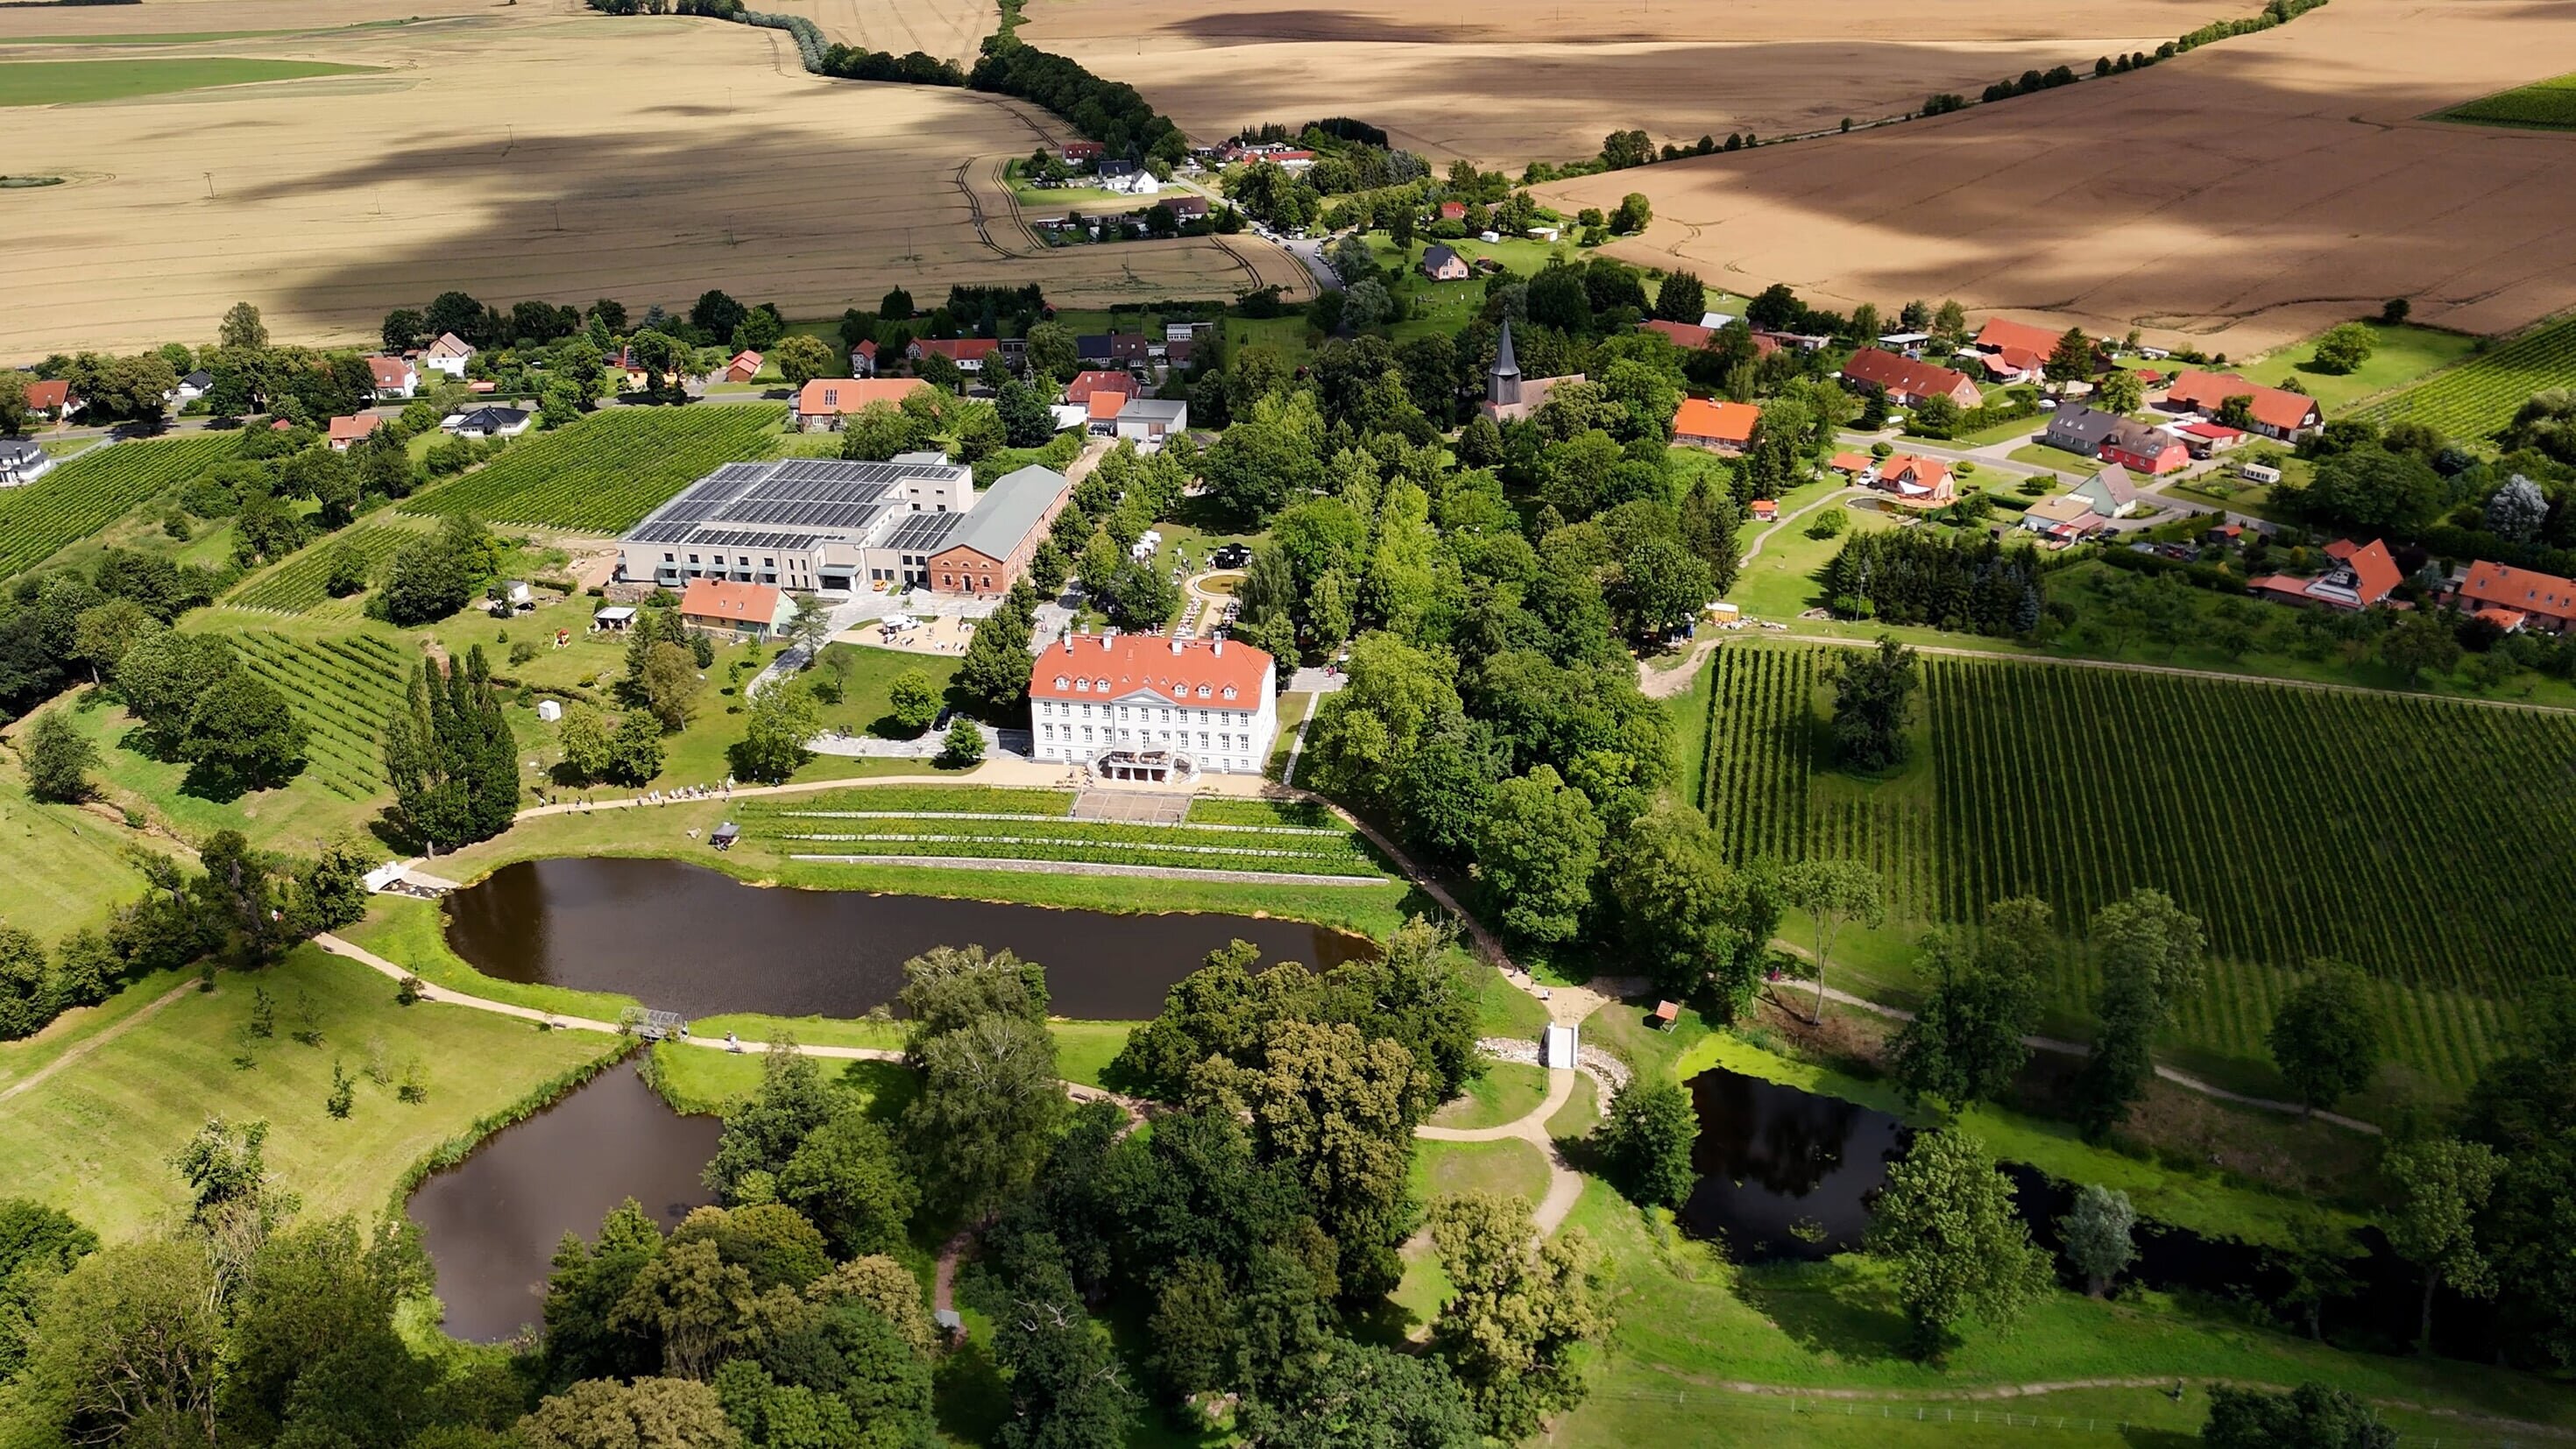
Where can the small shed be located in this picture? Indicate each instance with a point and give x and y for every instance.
(1557, 1049)
(1666, 1013)
(1724, 612)
(549, 710)
(725, 835)
(615, 620)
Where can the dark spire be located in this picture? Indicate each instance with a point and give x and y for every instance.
(1506, 365)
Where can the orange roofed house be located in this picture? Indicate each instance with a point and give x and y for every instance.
(2274, 412)
(2543, 601)
(969, 353)
(826, 401)
(1138, 707)
(1720, 427)
(2360, 576)
(1906, 381)
(1917, 482)
(756, 610)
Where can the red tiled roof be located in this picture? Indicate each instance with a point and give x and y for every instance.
(1926, 473)
(2003, 332)
(2506, 619)
(1902, 374)
(1114, 666)
(1687, 336)
(746, 360)
(1452, 210)
(1765, 507)
(2272, 407)
(731, 602)
(47, 396)
(352, 429)
(867, 348)
(1849, 463)
(2371, 564)
(2015, 360)
(832, 395)
(1105, 404)
(956, 349)
(1086, 383)
(390, 372)
(1725, 422)
(2528, 590)
(2214, 432)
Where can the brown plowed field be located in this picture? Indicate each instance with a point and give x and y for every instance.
(534, 152)
(2240, 196)
(1517, 79)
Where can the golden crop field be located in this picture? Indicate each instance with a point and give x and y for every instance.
(946, 29)
(2240, 196)
(1515, 80)
(531, 151)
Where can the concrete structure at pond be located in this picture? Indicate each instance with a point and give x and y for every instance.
(809, 524)
(1138, 707)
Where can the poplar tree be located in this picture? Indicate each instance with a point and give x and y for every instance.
(450, 758)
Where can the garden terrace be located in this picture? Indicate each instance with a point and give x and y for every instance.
(1246, 849)
(605, 472)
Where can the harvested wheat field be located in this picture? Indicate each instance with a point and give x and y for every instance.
(524, 153)
(216, 17)
(2240, 196)
(944, 29)
(1520, 79)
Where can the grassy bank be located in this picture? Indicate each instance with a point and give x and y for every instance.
(95, 1137)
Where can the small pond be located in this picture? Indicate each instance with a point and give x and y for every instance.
(1787, 1175)
(684, 938)
(491, 1223)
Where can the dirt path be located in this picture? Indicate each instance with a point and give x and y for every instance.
(73, 1054)
(1665, 683)
(2062, 1047)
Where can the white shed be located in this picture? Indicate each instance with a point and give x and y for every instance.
(549, 710)
(1557, 1049)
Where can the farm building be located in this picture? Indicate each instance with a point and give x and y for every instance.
(22, 461)
(448, 354)
(1510, 397)
(1441, 263)
(1083, 151)
(754, 610)
(2543, 600)
(2002, 334)
(969, 353)
(51, 399)
(2359, 576)
(1132, 706)
(2273, 412)
(744, 367)
(1685, 336)
(824, 524)
(826, 401)
(1096, 380)
(2152, 451)
(1148, 421)
(1720, 427)
(1906, 381)
(392, 377)
(2064, 518)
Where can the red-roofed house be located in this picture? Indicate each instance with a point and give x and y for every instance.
(1099, 380)
(863, 359)
(1453, 211)
(967, 352)
(2360, 576)
(2142, 449)
(2014, 364)
(1850, 465)
(1721, 427)
(754, 609)
(1136, 707)
(2002, 333)
(1906, 381)
(825, 401)
(1764, 510)
(1917, 482)
(349, 430)
(393, 377)
(1084, 150)
(744, 367)
(1688, 336)
(51, 399)
(2545, 599)
(2276, 413)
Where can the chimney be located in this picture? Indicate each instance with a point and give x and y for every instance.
(1176, 647)
(1219, 646)
(1068, 641)
(1104, 641)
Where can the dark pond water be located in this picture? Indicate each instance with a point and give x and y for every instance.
(1787, 1175)
(688, 939)
(491, 1222)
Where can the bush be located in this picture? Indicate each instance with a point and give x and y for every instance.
(963, 745)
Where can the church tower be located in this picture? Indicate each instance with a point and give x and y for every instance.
(1503, 383)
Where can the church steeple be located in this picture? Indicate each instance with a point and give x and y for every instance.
(1503, 382)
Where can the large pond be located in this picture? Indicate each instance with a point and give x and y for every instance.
(1786, 1174)
(688, 939)
(491, 1223)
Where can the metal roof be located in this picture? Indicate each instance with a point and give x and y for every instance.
(789, 502)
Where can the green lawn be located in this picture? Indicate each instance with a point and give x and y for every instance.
(2404, 354)
(2041, 455)
(95, 1138)
(1505, 1092)
(1509, 1167)
(1781, 582)
(867, 700)
(64, 82)
(62, 868)
(2547, 105)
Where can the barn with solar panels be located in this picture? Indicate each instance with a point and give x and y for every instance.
(828, 526)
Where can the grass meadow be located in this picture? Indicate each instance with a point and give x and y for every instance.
(71, 82)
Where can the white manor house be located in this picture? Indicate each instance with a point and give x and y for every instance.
(1136, 707)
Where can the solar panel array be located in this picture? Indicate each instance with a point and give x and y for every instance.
(923, 532)
(811, 495)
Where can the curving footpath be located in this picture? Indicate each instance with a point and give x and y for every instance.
(1564, 1184)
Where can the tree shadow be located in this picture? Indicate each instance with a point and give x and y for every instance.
(968, 1395)
(1828, 1307)
(207, 781)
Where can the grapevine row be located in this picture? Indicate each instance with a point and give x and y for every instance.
(605, 472)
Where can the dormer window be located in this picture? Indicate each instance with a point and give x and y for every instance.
(1203, 691)
(1101, 684)
(1229, 691)
(1062, 682)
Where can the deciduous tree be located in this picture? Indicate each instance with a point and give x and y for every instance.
(2443, 1184)
(1523, 1310)
(1945, 1222)
(1646, 1140)
(1833, 894)
(2325, 1037)
(2099, 1236)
